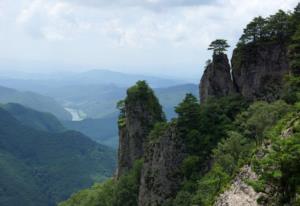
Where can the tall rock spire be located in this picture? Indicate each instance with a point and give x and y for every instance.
(139, 113)
(216, 80)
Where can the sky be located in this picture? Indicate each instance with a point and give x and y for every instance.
(157, 37)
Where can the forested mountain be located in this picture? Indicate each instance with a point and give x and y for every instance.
(32, 118)
(39, 167)
(34, 101)
(239, 146)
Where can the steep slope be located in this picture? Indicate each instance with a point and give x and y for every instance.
(34, 101)
(49, 166)
(32, 118)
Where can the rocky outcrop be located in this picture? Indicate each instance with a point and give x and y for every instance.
(161, 178)
(240, 194)
(258, 70)
(216, 80)
(141, 111)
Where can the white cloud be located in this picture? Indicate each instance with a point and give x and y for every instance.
(169, 32)
(148, 4)
(52, 20)
(136, 27)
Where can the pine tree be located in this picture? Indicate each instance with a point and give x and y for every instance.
(255, 31)
(219, 46)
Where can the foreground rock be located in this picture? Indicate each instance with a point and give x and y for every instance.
(240, 194)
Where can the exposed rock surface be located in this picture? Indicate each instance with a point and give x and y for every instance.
(258, 70)
(257, 73)
(140, 117)
(216, 80)
(240, 194)
(160, 180)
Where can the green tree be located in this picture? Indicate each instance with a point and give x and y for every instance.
(260, 117)
(142, 96)
(295, 18)
(279, 26)
(294, 53)
(281, 168)
(219, 46)
(188, 113)
(121, 107)
(183, 198)
(232, 150)
(210, 185)
(255, 31)
(291, 89)
(294, 45)
(113, 192)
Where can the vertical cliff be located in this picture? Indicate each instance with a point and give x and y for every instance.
(216, 80)
(161, 177)
(140, 112)
(258, 70)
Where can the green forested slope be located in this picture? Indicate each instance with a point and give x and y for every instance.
(34, 101)
(42, 168)
(37, 120)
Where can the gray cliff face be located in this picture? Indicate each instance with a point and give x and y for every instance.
(216, 80)
(138, 123)
(258, 71)
(160, 180)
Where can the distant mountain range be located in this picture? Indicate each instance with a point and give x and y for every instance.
(44, 83)
(42, 168)
(33, 100)
(92, 95)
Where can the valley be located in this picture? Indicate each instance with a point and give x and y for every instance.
(77, 115)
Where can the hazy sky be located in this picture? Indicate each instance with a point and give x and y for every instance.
(167, 37)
